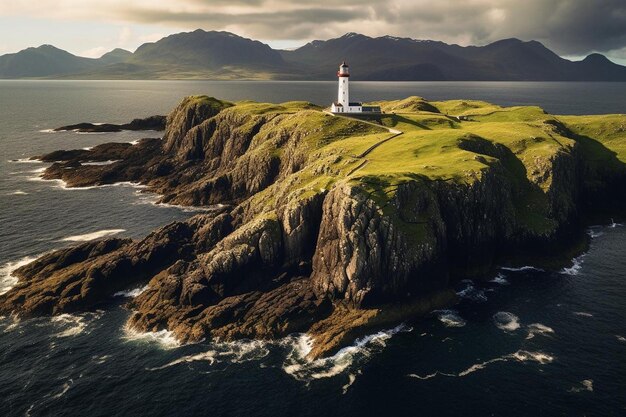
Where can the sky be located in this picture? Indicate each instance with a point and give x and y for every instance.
(571, 28)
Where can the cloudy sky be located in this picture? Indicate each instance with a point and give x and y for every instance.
(572, 28)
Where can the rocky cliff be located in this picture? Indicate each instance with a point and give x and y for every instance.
(326, 224)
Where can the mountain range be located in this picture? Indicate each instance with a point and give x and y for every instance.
(223, 55)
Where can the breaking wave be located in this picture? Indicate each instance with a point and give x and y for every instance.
(73, 324)
(13, 324)
(7, 280)
(163, 338)
(577, 264)
(92, 236)
(92, 187)
(538, 329)
(301, 368)
(594, 232)
(506, 321)
(153, 199)
(500, 279)
(450, 318)
(470, 292)
(131, 293)
(234, 352)
(26, 161)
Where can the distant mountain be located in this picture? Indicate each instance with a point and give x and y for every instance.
(213, 50)
(392, 58)
(223, 55)
(43, 61)
(48, 61)
(115, 56)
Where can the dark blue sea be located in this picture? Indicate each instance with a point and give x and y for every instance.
(527, 342)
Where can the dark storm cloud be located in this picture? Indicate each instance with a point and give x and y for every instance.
(568, 26)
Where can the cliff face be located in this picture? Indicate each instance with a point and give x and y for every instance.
(320, 218)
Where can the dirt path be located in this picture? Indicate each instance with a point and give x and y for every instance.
(394, 134)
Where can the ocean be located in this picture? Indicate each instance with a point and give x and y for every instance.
(527, 342)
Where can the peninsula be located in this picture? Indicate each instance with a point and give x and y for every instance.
(330, 224)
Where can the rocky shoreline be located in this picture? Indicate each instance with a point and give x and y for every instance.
(311, 234)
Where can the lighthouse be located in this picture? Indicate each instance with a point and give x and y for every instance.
(344, 85)
(343, 104)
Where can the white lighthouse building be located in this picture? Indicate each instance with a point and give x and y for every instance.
(343, 104)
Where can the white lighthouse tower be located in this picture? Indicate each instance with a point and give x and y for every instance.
(343, 97)
(343, 104)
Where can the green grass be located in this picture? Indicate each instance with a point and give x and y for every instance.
(456, 141)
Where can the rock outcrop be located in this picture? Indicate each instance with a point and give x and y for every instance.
(309, 233)
(149, 123)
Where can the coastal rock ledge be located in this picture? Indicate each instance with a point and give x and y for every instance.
(329, 225)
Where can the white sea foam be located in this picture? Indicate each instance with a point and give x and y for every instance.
(585, 385)
(59, 183)
(450, 318)
(208, 356)
(64, 389)
(91, 187)
(153, 199)
(47, 131)
(99, 360)
(88, 148)
(18, 192)
(13, 324)
(92, 236)
(134, 142)
(472, 293)
(500, 279)
(429, 376)
(482, 365)
(232, 352)
(538, 329)
(506, 321)
(577, 264)
(528, 356)
(163, 338)
(621, 338)
(519, 356)
(73, 324)
(26, 161)
(351, 379)
(7, 280)
(595, 231)
(131, 293)
(301, 368)
(521, 268)
(98, 163)
(582, 314)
